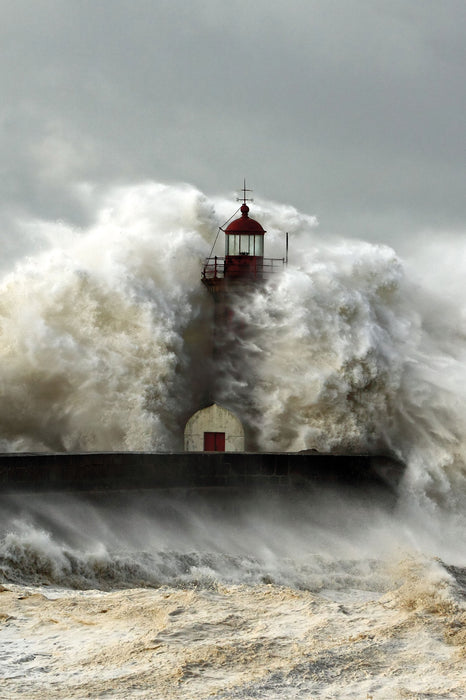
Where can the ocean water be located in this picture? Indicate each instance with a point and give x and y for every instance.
(325, 594)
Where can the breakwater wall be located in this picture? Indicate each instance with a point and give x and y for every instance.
(104, 471)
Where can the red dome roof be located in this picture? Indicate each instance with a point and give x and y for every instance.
(244, 224)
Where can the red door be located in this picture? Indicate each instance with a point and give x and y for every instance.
(214, 442)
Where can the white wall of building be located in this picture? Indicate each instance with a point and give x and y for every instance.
(215, 419)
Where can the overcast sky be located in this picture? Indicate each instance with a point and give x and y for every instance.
(351, 110)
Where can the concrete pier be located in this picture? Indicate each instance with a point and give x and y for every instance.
(105, 471)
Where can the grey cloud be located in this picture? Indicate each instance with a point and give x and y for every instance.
(351, 110)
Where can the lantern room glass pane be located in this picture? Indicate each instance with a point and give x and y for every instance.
(244, 244)
(259, 246)
(231, 245)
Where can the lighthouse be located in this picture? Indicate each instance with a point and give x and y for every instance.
(229, 280)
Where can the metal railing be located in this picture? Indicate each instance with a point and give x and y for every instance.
(214, 268)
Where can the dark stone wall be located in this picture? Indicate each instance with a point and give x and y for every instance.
(92, 472)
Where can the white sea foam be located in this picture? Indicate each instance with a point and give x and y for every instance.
(402, 636)
(100, 350)
(92, 347)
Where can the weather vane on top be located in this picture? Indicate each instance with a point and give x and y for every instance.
(244, 190)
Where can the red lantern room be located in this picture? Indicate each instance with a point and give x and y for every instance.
(244, 247)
